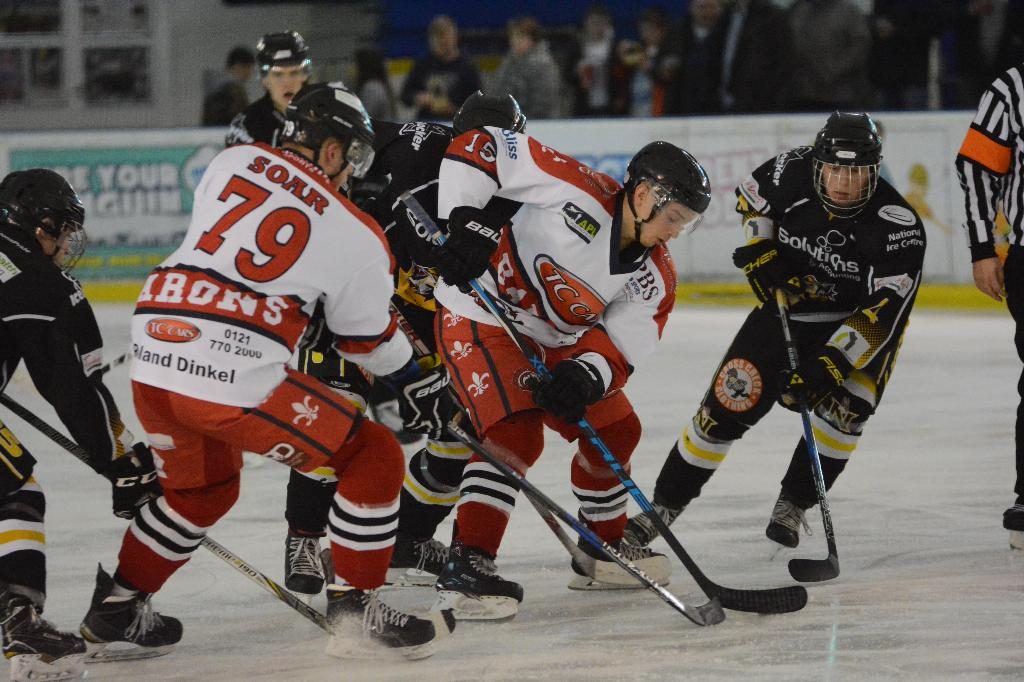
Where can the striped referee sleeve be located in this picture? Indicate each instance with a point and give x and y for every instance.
(990, 164)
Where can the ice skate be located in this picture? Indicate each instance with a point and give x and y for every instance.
(640, 529)
(125, 628)
(303, 569)
(601, 573)
(35, 649)
(416, 562)
(360, 617)
(471, 587)
(1013, 521)
(784, 525)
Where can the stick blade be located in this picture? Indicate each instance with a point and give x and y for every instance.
(814, 570)
(773, 600)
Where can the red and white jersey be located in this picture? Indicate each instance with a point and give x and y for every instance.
(220, 318)
(559, 267)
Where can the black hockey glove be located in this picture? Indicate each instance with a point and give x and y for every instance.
(766, 269)
(134, 481)
(472, 240)
(425, 403)
(574, 385)
(815, 379)
(366, 193)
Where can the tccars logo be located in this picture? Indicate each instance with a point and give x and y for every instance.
(172, 331)
(568, 295)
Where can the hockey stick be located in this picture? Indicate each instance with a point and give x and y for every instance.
(218, 549)
(772, 600)
(705, 614)
(116, 362)
(583, 561)
(809, 570)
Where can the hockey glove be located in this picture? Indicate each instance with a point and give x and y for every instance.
(815, 379)
(424, 401)
(472, 240)
(134, 481)
(366, 193)
(574, 385)
(763, 264)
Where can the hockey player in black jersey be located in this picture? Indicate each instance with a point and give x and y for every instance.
(285, 66)
(407, 158)
(848, 250)
(46, 321)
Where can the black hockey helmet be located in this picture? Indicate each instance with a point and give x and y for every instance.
(324, 110)
(286, 48)
(675, 176)
(501, 111)
(848, 144)
(41, 198)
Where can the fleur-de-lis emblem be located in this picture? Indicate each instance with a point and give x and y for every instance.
(451, 319)
(461, 350)
(305, 412)
(514, 295)
(479, 384)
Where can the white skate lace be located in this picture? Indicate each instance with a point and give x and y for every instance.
(430, 552)
(305, 556)
(483, 564)
(145, 621)
(790, 515)
(377, 614)
(641, 529)
(633, 552)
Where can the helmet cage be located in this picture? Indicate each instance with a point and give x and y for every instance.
(861, 178)
(847, 154)
(50, 204)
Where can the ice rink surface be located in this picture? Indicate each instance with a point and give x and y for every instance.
(929, 589)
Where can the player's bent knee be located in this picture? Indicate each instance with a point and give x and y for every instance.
(204, 506)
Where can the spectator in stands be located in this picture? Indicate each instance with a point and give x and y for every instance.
(755, 64)
(830, 47)
(902, 33)
(588, 68)
(230, 97)
(529, 72)
(644, 69)
(371, 84)
(699, 41)
(443, 78)
(989, 37)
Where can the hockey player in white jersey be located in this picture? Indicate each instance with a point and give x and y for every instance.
(583, 271)
(214, 328)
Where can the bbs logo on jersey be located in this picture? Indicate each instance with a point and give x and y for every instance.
(738, 385)
(171, 330)
(568, 296)
(580, 222)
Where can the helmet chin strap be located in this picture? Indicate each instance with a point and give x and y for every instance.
(637, 220)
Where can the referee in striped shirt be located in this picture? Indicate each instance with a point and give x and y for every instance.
(991, 169)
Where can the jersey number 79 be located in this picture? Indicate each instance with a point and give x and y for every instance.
(281, 236)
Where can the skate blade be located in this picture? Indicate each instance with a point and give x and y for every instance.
(584, 582)
(410, 577)
(106, 652)
(32, 668)
(1016, 539)
(607, 575)
(465, 607)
